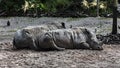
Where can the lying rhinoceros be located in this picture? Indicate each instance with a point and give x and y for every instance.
(74, 38)
(24, 38)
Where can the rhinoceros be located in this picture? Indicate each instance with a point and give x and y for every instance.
(24, 38)
(72, 38)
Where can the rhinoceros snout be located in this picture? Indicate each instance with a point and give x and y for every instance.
(99, 48)
(96, 46)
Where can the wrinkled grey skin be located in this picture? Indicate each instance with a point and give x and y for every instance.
(74, 38)
(24, 38)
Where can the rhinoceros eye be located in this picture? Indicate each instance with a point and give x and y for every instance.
(27, 32)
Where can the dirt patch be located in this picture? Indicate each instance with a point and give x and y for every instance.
(107, 58)
(110, 38)
(10, 58)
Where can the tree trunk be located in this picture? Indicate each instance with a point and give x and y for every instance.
(114, 25)
(97, 8)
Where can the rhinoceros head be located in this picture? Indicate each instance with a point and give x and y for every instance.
(94, 43)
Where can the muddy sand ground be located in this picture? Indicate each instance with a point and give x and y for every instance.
(9, 58)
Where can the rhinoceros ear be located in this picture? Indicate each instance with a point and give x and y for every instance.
(63, 24)
(101, 43)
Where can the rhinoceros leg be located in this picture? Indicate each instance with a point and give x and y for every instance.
(56, 47)
(33, 46)
(85, 45)
(52, 41)
(45, 42)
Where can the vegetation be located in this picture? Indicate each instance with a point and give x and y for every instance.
(51, 7)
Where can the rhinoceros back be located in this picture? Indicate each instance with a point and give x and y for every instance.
(62, 38)
(68, 38)
(27, 34)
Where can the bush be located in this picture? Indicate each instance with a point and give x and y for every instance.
(11, 6)
(37, 7)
